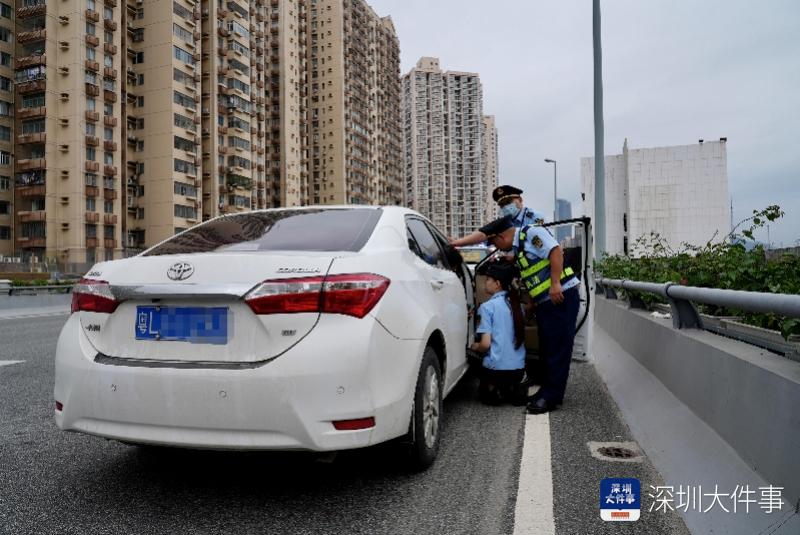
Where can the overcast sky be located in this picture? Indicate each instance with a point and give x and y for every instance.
(674, 71)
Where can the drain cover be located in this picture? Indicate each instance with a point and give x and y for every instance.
(617, 453)
(622, 452)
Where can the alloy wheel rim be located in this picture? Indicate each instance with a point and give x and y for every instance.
(430, 407)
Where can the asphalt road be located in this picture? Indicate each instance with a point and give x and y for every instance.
(55, 482)
(61, 483)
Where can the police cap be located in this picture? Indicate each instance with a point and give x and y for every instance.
(501, 193)
(496, 227)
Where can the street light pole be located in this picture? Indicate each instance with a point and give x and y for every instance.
(555, 187)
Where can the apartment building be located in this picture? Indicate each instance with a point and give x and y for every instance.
(444, 151)
(7, 52)
(121, 125)
(490, 165)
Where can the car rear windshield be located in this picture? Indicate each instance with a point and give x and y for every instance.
(280, 230)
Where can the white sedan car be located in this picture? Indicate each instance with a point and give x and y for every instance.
(317, 328)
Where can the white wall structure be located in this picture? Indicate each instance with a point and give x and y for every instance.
(443, 157)
(679, 192)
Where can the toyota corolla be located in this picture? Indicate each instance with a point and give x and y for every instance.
(291, 329)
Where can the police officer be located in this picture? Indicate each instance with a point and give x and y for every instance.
(509, 199)
(554, 291)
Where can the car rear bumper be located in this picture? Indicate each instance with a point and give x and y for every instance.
(286, 404)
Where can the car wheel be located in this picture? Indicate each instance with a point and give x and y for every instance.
(426, 423)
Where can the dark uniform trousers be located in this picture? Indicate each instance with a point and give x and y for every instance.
(556, 326)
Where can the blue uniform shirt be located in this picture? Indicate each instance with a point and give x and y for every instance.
(496, 319)
(528, 216)
(539, 242)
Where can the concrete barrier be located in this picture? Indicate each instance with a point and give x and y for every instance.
(11, 302)
(748, 396)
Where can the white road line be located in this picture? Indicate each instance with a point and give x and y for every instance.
(534, 510)
(9, 362)
(42, 315)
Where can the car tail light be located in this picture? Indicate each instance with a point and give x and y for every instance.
(354, 295)
(354, 425)
(93, 296)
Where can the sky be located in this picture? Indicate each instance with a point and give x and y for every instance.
(674, 72)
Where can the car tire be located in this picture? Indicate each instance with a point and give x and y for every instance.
(426, 422)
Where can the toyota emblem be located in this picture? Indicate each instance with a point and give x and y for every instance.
(180, 271)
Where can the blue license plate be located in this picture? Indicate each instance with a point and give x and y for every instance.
(196, 325)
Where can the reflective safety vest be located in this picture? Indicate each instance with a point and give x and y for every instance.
(535, 275)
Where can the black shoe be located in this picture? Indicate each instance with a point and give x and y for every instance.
(540, 406)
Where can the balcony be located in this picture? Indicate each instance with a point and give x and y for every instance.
(109, 25)
(31, 11)
(26, 242)
(109, 96)
(31, 86)
(92, 141)
(91, 243)
(110, 3)
(92, 191)
(32, 36)
(92, 16)
(110, 146)
(110, 49)
(92, 217)
(110, 72)
(30, 113)
(31, 61)
(110, 219)
(109, 121)
(38, 137)
(110, 243)
(32, 191)
(34, 215)
(93, 116)
(92, 65)
(92, 40)
(109, 194)
(110, 170)
(33, 163)
(91, 167)
(92, 90)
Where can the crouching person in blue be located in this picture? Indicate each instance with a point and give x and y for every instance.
(554, 291)
(502, 331)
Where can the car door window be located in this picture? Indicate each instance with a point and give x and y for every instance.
(426, 246)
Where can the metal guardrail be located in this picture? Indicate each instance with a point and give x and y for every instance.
(681, 299)
(34, 290)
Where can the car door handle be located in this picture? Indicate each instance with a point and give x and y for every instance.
(437, 285)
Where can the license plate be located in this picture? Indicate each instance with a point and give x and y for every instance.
(196, 325)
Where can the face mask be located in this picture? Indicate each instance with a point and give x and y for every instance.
(510, 210)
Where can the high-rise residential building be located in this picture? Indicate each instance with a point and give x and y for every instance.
(125, 124)
(490, 166)
(67, 135)
(445, 176)
(7, 53)
(680, 193)
(563, 212)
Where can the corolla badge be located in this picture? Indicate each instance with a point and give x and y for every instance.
(180, 271)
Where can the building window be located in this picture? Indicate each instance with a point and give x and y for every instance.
(108, 207)
(90, 53)
(182, 166)
(5, 233)
(188, 212)
(5, 158)
(5, 10)
(5, 59)
(108, 232)
(5, 83)
(186, 190)
(183, 55)
(90, 204)
(185, 144)
(5, 208)
(108, 158)
(90, 28)
(182, 33)
(5, 35)
(5, 133)
(181, 121)
(90, 154)
(6, 108)
(90, 254)
(5, 183)
(138, 57)
(184, 100)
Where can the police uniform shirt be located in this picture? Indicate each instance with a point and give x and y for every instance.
(528, 216)
(539, 242)
(496, 319)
